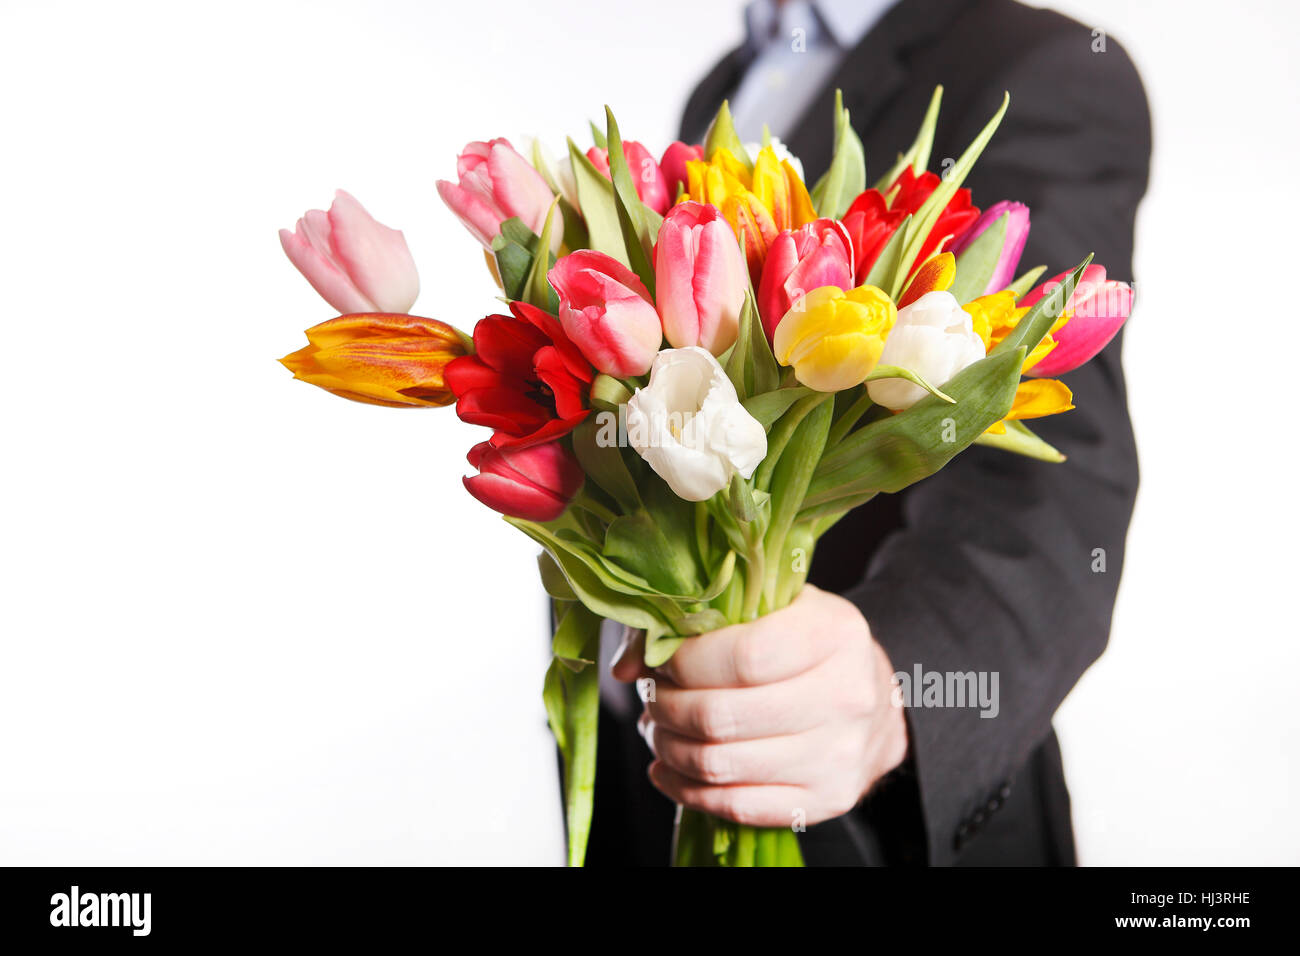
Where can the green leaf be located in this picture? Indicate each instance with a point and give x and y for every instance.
(597, 135)
(977, 261)
(639, 544)
(1027, 281)
(889, 454)
(596, 196)
(769, 406)
(660, 645)
(886, 264)
(575, 233)
(750, 364)
(790, 481)
(893, 371)
(608, 393)
(1020, 440)
(513, 250)
(571, 643)
(1039, 319)
(553, 698)
(926, 217)
(588, 585)
(603, 461)
(537, 290)
(635, 219)
(918, 154)
(782, 433)
(553, 579)
(722, 135)
(741, 498)
(847, 176)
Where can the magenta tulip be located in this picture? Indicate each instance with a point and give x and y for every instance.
(497, 184)
(356, 263)
(700, 278)
(673, 163)
(1004, 273)
(1098, 308)
(606, 311)
(814, 255)
(651, 187)
(535, 483)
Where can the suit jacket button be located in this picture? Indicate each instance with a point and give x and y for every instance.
(1005, 791)
(977, 819)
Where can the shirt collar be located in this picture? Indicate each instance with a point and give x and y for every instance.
(846, 21)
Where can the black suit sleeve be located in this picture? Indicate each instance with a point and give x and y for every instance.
(997, 567)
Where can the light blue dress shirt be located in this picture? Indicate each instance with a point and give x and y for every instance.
(795, 46)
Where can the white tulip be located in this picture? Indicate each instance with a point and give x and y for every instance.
(782, 153)
(932, 337)
(689, 425)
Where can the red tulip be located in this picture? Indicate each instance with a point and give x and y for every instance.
(526, 380)
(871, 224)
(1097, 309)
(651, 187)
(807, 258)
(673, 163)
(534, 483)
(700, 278)
(497, 184)
(607, 312)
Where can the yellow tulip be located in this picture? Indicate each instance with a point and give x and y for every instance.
(380, 358)
(834, 338)
(1036, 398)
(995, 315)
(758, 204)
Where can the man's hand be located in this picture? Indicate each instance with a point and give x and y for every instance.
(792, 712)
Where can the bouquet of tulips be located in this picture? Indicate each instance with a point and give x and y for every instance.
(702, 365)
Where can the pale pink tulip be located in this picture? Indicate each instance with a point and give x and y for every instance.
(497, 184)
(814, 255)
(700, 278)
(356, 263)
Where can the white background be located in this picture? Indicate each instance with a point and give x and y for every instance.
(247, 622)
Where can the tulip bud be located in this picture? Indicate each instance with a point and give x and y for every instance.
(380, 358)
(356, 263)
(673, 163)
(497, 184)
(818, 254)
(934, 338)
(1012, 247)
(834, 338)
(1097, 309)
(651, 186)
(689, 425)
(607, 312)
(700, 278)
(535, 483)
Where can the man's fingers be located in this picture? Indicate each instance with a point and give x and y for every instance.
(738, 713)
(771, 805)
(772, 760)
(629, 660)
(773, 648)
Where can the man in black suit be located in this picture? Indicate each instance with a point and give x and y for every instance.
(997, 564)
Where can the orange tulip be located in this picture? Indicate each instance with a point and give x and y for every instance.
(380, 358)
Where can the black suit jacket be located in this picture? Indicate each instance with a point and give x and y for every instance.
(989, 565)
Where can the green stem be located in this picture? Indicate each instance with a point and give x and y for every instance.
(844, 424)
(755, 560)
(588, 503)
(781, 434)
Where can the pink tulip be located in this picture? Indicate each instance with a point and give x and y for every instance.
(673, 164)
(1098, 307)
(651, 187)
(535, 483)
(814, 255)
(497, 184)
(1004, 273)
(606, 311)
(356, 263)
(700, 278)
